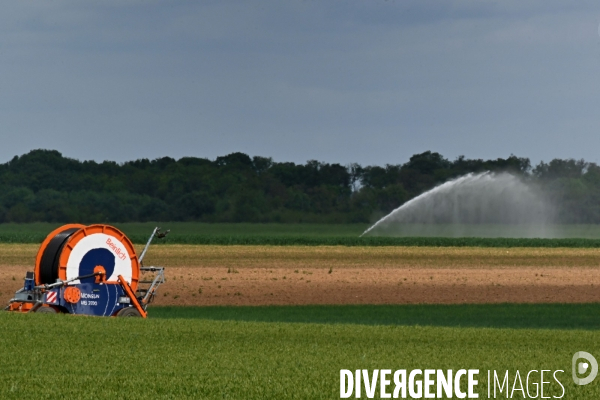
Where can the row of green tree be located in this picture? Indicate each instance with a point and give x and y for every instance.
(42, 185)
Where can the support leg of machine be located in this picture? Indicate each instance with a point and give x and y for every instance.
(131, 295)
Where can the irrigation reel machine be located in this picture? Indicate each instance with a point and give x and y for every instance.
(89, 270)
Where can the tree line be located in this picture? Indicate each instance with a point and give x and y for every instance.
(45, 186)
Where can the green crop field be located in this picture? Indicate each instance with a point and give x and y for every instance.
(224, 353)
(200, 233)
(516, 316)
(295, 352)
(206, 229)
(583, 236)
(557, 231)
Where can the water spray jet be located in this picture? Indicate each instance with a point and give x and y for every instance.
(479, 199)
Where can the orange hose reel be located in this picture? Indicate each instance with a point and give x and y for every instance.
(70, 251)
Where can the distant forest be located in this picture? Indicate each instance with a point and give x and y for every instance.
(44, 186)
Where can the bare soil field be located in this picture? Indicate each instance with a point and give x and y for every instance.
(263, 275)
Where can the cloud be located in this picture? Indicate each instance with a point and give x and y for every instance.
(372, 82)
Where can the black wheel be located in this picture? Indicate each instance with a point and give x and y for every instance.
(129, 312)
(45, 310)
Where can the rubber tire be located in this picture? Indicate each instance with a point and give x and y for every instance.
(45, 310)
(129, 312)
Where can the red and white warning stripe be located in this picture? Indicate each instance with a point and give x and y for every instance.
(51, 297)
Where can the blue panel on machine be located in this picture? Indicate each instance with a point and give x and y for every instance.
(96, 257)
(101, 300)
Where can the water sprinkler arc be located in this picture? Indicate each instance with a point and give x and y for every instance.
(472, 199)
(419, 197)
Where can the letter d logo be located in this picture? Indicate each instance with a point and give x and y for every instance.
(582, 367)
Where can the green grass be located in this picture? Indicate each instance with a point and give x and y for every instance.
(333, 241)
(217, 229)
(306, 235)
(373, 241)
(557, 231)
(515, 316)
(587, 231)
(105, 358)
(200, 233)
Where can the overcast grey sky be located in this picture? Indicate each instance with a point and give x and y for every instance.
(338, 81)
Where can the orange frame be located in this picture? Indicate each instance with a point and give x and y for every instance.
(131, 295)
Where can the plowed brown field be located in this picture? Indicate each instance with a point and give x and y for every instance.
(253, 275)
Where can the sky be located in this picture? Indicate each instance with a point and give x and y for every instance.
(372, 82)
